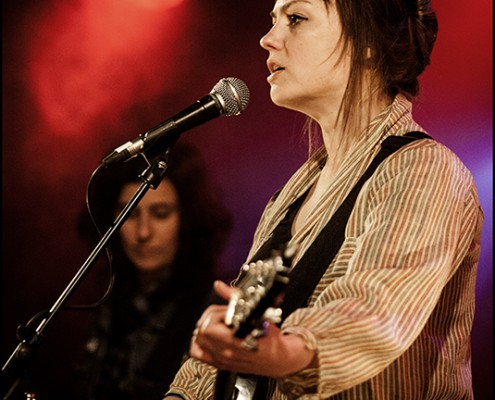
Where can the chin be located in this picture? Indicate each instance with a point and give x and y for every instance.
(281, 99)
(277, 99)
(284, 103)
(148, 266)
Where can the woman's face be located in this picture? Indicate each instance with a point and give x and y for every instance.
(150, 235)
(308, 71)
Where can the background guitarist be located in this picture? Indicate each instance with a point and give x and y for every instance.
(165, 259)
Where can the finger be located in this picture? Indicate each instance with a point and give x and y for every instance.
(198, 353)
(204, 324)
(209, 348)
(230, 358)
(212, 312)
(215, 338)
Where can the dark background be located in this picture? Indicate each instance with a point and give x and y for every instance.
(81, 77)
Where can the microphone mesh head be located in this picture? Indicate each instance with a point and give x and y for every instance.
(233, 94)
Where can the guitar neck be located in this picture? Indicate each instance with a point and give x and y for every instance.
(260, 286)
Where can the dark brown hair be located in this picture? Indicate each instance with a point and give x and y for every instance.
(394, 38)
(400, 35)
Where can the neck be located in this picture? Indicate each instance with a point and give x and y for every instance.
(149, 278)
(339, 136)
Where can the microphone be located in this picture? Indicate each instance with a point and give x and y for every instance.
(228, 97)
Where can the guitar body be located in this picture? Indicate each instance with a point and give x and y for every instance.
(225, 386)
(260, 287)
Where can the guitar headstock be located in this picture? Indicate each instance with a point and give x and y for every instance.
(259, 292)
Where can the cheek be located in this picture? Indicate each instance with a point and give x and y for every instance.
(168, 232)
(127, 232)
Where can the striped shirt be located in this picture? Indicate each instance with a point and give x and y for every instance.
(391, 317)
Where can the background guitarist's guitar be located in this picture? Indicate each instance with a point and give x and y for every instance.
(261, 286)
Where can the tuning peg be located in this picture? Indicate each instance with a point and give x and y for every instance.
(273, 314)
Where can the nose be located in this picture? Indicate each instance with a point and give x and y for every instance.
(270, 41)
(143, 227)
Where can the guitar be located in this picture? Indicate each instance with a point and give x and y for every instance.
(260, 291)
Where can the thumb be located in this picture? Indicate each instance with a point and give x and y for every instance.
(222, 289)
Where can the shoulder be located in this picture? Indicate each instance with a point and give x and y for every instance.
(429, 155)
(426, 164)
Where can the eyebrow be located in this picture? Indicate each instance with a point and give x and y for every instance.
(154, 204)
(286, 6)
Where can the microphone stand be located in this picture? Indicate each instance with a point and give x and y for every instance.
(15, 367)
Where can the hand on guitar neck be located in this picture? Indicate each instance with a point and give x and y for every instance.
(223, 330)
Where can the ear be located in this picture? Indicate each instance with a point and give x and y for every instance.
(368, 53)
(368, 58)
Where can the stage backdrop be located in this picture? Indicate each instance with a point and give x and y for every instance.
(81, 77)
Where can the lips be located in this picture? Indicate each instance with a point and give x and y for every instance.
(144, 252)
(274, 67)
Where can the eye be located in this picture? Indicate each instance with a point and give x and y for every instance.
(133, 215)
(163, 211)
(294, 19)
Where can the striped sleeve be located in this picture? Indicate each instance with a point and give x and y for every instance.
(194, 381)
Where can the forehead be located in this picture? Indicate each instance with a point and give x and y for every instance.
(164, 193)
(282, 5)
(287, 3)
